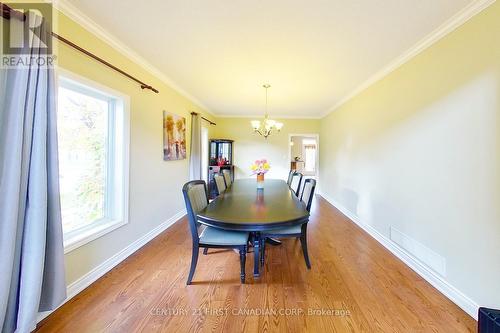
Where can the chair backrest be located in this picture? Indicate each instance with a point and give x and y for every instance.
(195, 197)
(220, 183)
(290, 175)
(295, 184)
(227, 177)
(308, 192)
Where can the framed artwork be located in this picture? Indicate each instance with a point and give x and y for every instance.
(174, 137)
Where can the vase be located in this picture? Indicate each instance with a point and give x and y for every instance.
(260, 181)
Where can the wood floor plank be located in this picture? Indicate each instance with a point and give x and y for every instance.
(365, 288)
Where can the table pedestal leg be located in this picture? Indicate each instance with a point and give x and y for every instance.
(256, 251)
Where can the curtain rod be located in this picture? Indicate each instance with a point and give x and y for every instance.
(8, 13)
(211, 122)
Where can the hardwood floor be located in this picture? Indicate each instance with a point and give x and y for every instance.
(365, 288)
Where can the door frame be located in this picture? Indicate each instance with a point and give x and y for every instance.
(310, 135)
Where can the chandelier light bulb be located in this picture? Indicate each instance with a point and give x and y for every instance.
(255, 124)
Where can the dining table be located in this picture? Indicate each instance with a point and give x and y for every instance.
(244, 207)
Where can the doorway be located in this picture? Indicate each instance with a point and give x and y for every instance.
(304, 154)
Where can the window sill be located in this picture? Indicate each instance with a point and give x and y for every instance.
(91, 234)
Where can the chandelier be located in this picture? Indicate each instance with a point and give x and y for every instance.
(265, 127)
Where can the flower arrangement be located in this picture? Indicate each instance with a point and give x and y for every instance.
(260, 167)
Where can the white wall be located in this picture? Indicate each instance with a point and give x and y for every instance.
(296, 149)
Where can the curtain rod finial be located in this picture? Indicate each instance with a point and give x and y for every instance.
(145, 86)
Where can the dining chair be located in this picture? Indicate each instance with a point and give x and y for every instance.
(290, 174)
(295, 183)
(195, 197)
(220, 183)
(227, 177)
(298, 231)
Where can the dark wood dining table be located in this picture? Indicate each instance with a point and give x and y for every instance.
(243, 207)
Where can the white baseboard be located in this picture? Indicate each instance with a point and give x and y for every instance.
(452, 293)
(425, 255)
(79, 285)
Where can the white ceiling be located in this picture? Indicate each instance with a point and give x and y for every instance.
(314, 53)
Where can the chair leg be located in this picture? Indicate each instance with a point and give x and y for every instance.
(303, 242)
(263, 251)
(243, 258)
(194, 261)
(256, 255)
(205, 251)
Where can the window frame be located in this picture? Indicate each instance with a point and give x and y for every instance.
(117, 187)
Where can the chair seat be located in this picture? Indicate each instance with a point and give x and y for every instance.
(296, 229)
(213, 236)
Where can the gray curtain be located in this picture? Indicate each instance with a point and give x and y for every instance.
(195, 154)
(31, 241)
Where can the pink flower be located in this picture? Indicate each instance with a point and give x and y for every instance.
(260, 167)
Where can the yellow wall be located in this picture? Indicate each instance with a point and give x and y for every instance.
(419, 151)
(250, 146)
(155, 185)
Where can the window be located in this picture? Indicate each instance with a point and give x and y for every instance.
(93, 160)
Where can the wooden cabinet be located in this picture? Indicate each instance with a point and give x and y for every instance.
(297, 165)
(220, 158)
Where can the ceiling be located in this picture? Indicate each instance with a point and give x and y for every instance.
(314, 53)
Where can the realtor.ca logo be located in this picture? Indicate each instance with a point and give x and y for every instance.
(26, 35)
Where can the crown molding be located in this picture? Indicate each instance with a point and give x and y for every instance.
(270, 116)
(444, 29)
(447, 27)
(90, 25)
